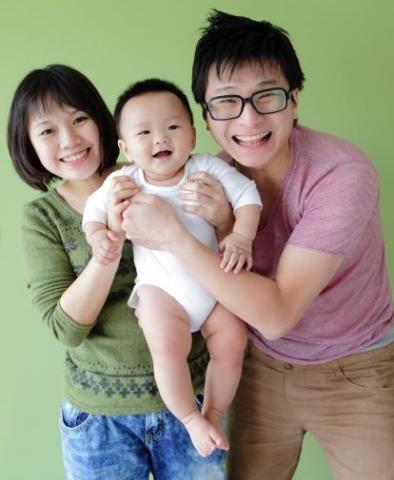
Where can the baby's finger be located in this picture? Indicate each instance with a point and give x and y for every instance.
(249, 262)
(108, 246)
(231, 262)
(120, 207)
(226, 255)
(240, 264)
(114, 236)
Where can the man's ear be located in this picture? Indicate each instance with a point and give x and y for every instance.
(294, 102)
(123, 148)
(205, 117)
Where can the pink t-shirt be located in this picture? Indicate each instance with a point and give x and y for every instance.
(329, 201)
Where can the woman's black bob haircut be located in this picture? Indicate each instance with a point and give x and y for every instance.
(231, 41)
(65, 86)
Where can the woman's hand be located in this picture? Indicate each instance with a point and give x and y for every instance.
(152, 222)
(121, 191)
(106, 245)
(203, 195)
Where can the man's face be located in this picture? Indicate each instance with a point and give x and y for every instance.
(254, 140)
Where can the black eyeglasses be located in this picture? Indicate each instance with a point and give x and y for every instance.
(227, 107)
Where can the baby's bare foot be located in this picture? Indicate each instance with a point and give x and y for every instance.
(215, 417)
(203, 434)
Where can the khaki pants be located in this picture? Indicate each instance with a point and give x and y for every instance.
(347, 405)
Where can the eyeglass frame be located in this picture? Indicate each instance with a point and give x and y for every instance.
(246, 100)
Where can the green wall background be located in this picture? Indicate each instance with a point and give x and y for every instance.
(346, 49)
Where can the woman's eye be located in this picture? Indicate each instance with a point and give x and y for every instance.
(81, 119)
(46, 132)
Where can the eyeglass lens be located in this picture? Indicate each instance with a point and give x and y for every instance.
(267, 101)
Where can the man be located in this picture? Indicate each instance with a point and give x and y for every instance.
(319, 304)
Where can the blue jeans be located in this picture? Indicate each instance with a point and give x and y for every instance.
(130, 447)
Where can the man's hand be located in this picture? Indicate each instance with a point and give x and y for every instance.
(203, 195)
(152, 222)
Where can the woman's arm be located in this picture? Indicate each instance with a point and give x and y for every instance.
(69, 301)
(83, 300)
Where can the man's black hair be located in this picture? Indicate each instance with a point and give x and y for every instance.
(229, 41)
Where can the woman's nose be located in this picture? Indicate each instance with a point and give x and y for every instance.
(69, 137)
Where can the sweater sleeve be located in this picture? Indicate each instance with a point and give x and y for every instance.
(49, 274)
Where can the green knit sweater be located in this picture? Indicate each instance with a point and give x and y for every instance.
(108, 368)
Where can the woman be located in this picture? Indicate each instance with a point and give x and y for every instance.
(113, 423)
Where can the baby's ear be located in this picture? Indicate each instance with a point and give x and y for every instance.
(123, 148)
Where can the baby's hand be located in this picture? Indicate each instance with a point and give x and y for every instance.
(121, 191)
(236, 253)
(106, 245)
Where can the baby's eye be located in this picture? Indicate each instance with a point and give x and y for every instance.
(173, 127)
(143, 132)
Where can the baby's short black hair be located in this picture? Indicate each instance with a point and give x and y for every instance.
(150, 85)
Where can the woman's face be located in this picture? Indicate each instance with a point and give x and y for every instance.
(66, 140)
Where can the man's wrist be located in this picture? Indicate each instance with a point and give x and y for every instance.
(225, 228)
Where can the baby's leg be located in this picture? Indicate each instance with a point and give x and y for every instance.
(167, 332)
(226, 341)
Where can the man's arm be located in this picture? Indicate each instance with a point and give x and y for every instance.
(273, 307)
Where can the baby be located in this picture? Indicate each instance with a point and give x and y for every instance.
(157, 136)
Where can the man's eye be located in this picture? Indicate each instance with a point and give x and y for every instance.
(266, 97)
(226, 101)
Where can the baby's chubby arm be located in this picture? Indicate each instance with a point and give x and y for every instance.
(103, 217)
(236, 248)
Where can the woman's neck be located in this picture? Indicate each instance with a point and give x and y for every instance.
(75, 193)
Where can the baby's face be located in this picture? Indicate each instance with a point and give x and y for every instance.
(157, 135)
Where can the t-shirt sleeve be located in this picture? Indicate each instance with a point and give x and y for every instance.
(338, 206)
(49, 274)
(96, 205)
